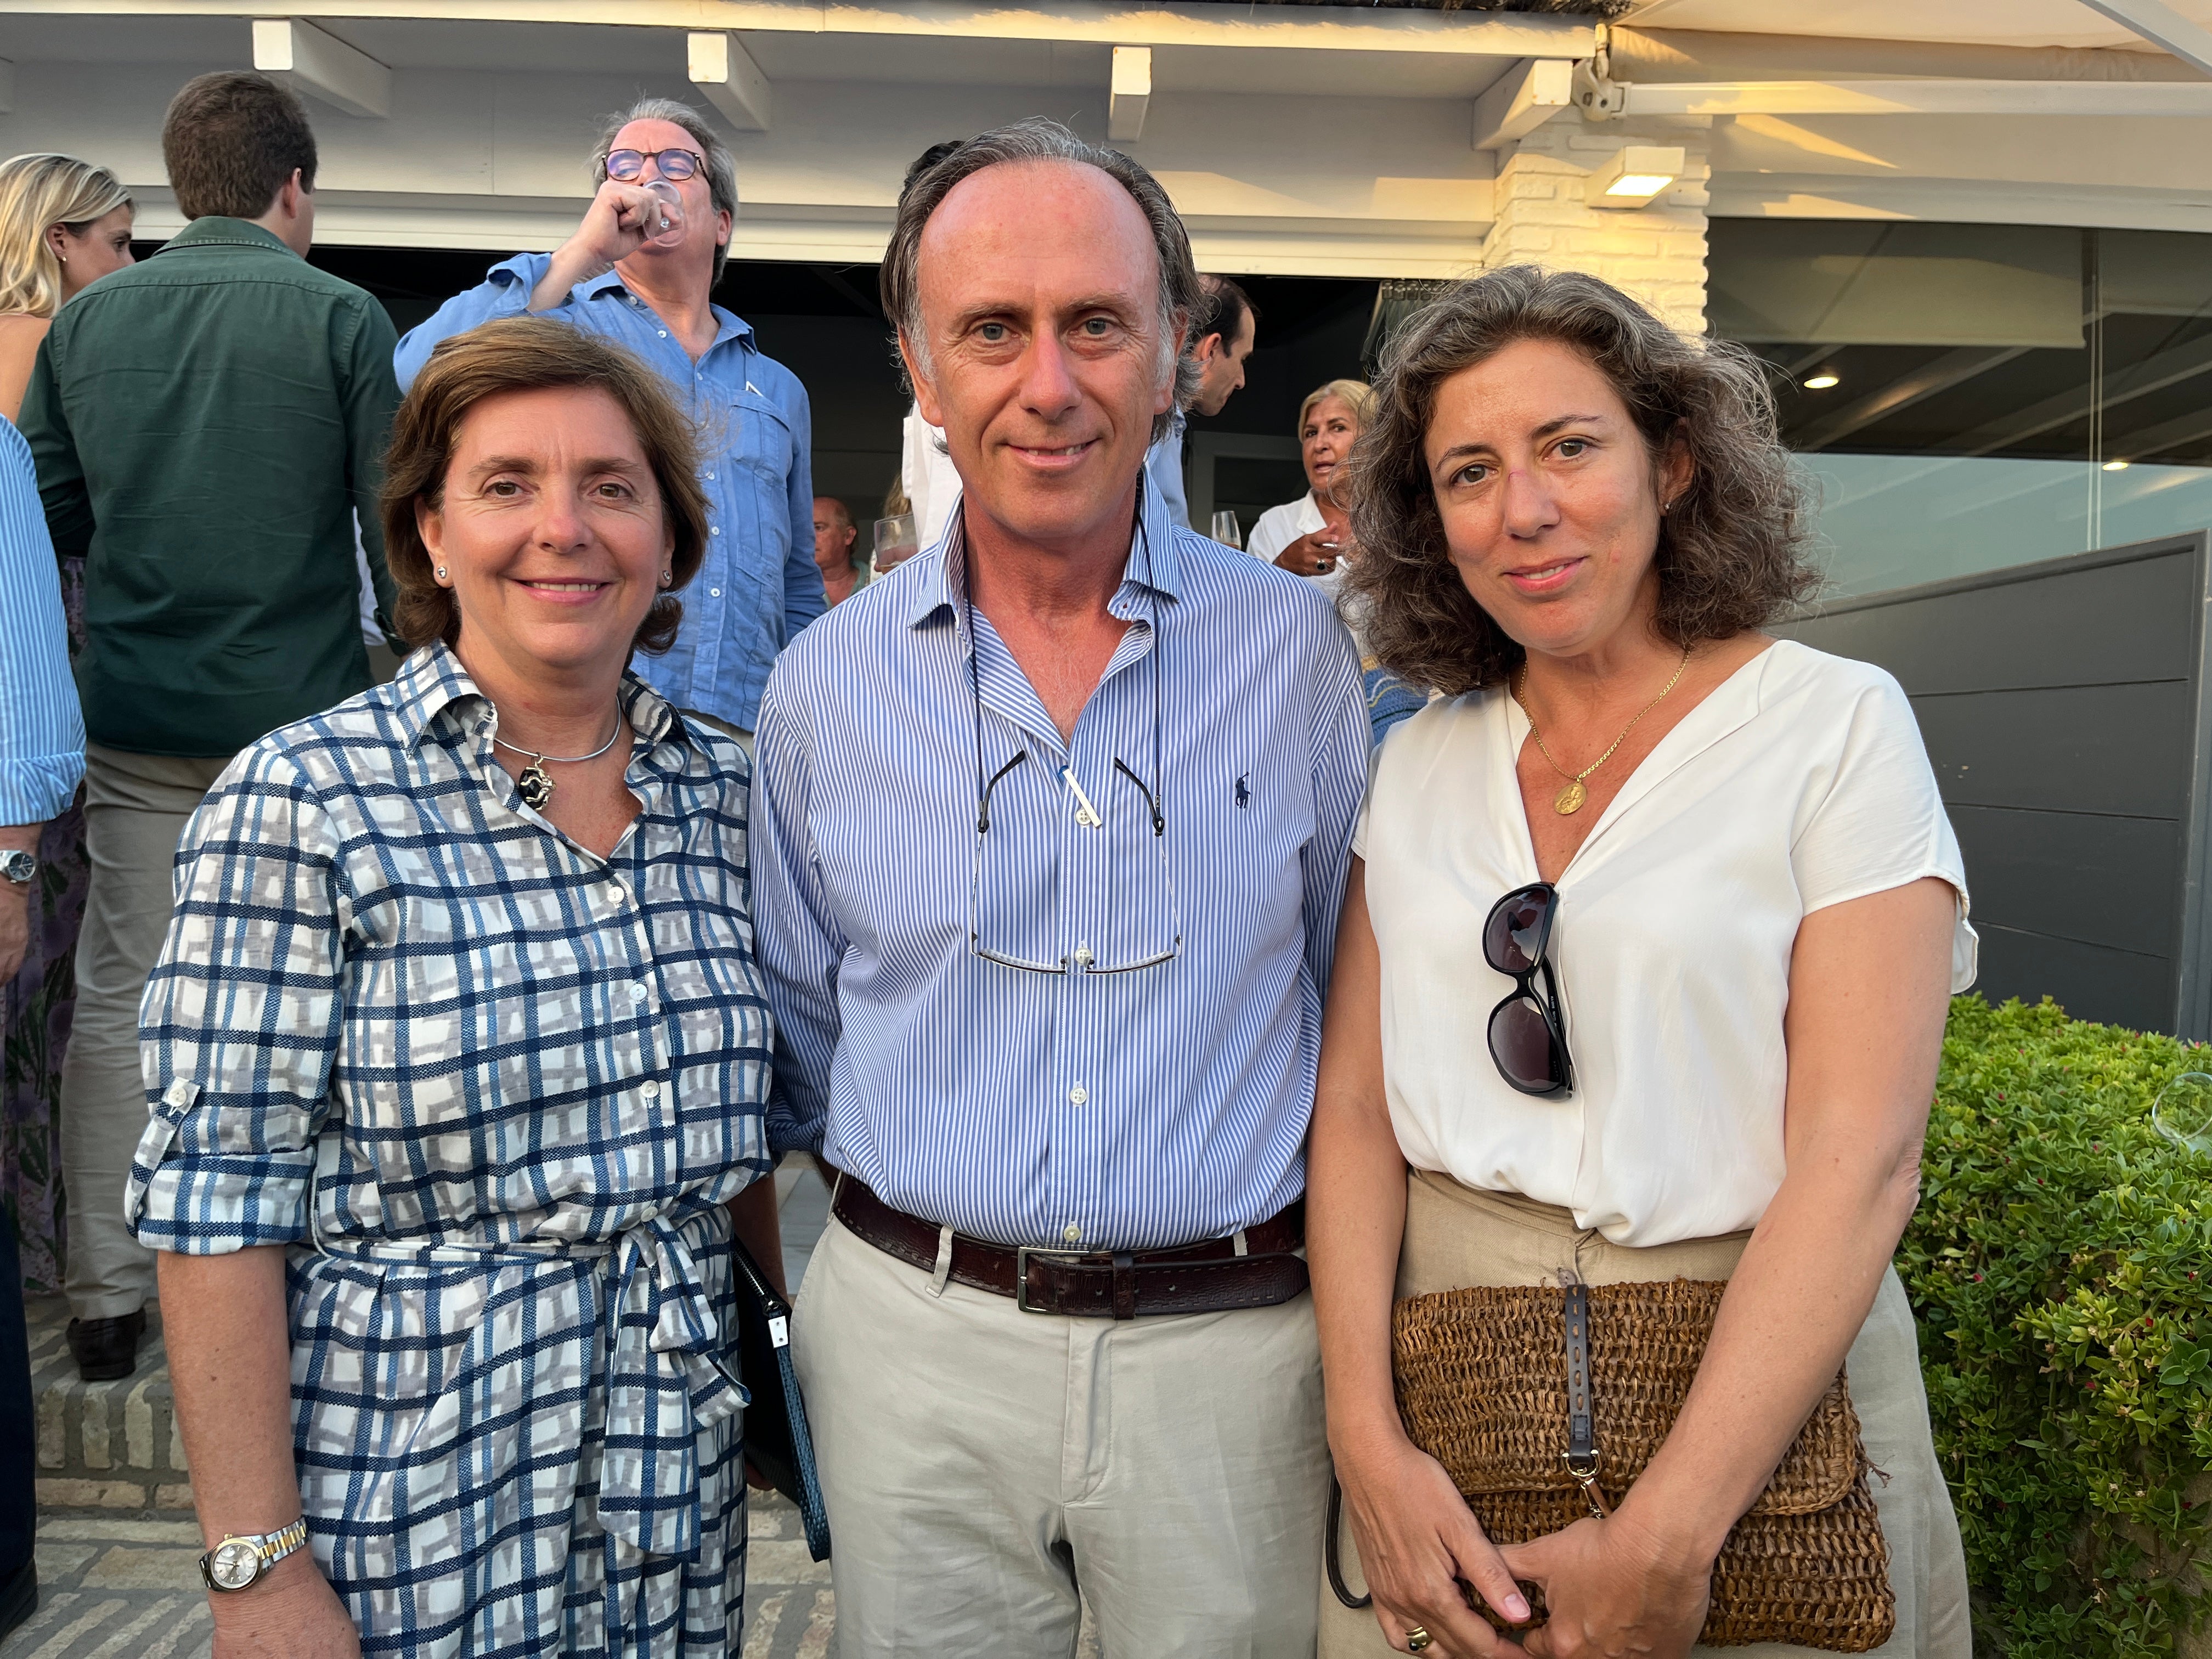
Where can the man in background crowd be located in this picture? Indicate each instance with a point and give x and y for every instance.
(1226, 336)
(641, 270)
(205, 424)
(842, 574)
(41, 760)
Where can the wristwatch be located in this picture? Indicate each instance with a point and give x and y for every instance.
(18, 866)
(238, 1563)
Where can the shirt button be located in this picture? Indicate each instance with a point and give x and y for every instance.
(714, 529)
(178, 1093)
(1083, 956)
(638, 993)
(1071, 1233)
(650, 1089)
(664, 333)
(713, 593)
(1078, 1096)
(617, 893)
(710, 477)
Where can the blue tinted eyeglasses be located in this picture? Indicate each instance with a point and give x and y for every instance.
(626, 167)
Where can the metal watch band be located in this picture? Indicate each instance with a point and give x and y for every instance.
(269, 1548)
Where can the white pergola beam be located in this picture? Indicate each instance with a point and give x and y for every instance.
(311, 61)
(723, 69)
(1130, 93)
(1100, 22)
(1523, 100)
(2106, 98)
(2161, 26)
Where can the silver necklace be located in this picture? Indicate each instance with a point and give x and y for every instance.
(533, 784)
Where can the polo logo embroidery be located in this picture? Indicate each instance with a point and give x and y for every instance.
(1243, 794)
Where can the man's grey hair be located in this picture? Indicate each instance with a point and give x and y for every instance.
(1037, 139)
(721, 166)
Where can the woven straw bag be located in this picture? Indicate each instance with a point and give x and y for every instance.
(1482, 1386)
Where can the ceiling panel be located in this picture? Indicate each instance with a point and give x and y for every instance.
(1983, 22)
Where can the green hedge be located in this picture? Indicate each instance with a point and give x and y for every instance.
(2060, 1266)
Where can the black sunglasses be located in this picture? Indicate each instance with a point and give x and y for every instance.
(1527, 1036)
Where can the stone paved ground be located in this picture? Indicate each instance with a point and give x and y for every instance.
(118, 1549)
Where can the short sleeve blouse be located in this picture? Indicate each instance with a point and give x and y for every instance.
(1800, 783)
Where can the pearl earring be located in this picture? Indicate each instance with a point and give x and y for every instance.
(666, 577)
(441, 573)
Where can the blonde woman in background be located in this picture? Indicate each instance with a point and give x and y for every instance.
(64, 223)
(1308, 537)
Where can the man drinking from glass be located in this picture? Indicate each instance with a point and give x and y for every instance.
(641, 269)
(1059, 1047)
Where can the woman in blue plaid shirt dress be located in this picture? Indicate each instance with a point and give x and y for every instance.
(457, 1058)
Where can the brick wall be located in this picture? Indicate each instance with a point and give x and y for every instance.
(1656, 253)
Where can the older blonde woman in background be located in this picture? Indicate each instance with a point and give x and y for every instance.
(1711, 864)
(1310, 537)
(64, 223)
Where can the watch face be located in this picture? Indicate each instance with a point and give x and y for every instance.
(235, 1564)
(18, 865)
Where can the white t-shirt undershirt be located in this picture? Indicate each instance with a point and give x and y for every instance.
(1800, 783)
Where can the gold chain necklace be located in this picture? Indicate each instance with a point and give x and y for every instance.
(1572, 798)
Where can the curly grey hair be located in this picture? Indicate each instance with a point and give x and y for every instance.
(1037, 139)
(1732, 552)
(721, 166)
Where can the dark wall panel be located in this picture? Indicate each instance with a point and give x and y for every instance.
(2089, 981)
(2081, 627)
(2116, 749)
(2074, 876)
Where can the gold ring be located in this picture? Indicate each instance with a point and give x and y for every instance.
(1418, 1640)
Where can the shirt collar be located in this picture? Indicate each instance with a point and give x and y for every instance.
(1152, 553)
(432, 681)
(732, 326)
(215, 230)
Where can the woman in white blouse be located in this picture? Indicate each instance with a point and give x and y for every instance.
(1575, 523)
(1308, 536)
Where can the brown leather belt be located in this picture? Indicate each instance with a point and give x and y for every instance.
(1206, 1278)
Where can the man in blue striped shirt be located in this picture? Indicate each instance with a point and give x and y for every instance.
(41, 761)
(1050, 837)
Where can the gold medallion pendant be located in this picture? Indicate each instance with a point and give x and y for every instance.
(1570, 798)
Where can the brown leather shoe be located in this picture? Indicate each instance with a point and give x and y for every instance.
(106, 1349)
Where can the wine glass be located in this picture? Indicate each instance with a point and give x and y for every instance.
(897, 540)
(2183, 1112)
(1227, 531)
(671, 230)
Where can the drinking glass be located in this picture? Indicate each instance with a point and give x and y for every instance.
(897, 540)
(671, 213)
(2183, 1112)
(1227, 531)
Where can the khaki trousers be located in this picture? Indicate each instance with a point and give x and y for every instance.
(1456, 1237)
(135, 809)
(988, 1471)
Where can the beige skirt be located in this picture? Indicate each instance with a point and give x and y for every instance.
(1456, 1237)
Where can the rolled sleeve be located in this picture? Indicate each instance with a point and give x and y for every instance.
(41, 725)
(799, 944)
(240, 1019)
(504, 292)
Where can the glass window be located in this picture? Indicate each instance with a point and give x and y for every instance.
(1977, 396)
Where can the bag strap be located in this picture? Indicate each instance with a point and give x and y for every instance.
(1581, 1454)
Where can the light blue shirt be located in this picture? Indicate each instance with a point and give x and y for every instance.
(1163, 466)
(759, 585)
(41, 727)
(1082, 1107)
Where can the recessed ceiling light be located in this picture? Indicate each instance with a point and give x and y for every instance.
(2116, 466)
(1823, 380)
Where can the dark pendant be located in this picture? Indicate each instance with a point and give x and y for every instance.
(534, 787)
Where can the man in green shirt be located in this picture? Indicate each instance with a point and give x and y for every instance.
(207, 425)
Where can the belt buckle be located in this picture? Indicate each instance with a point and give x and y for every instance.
(1022, 1254)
